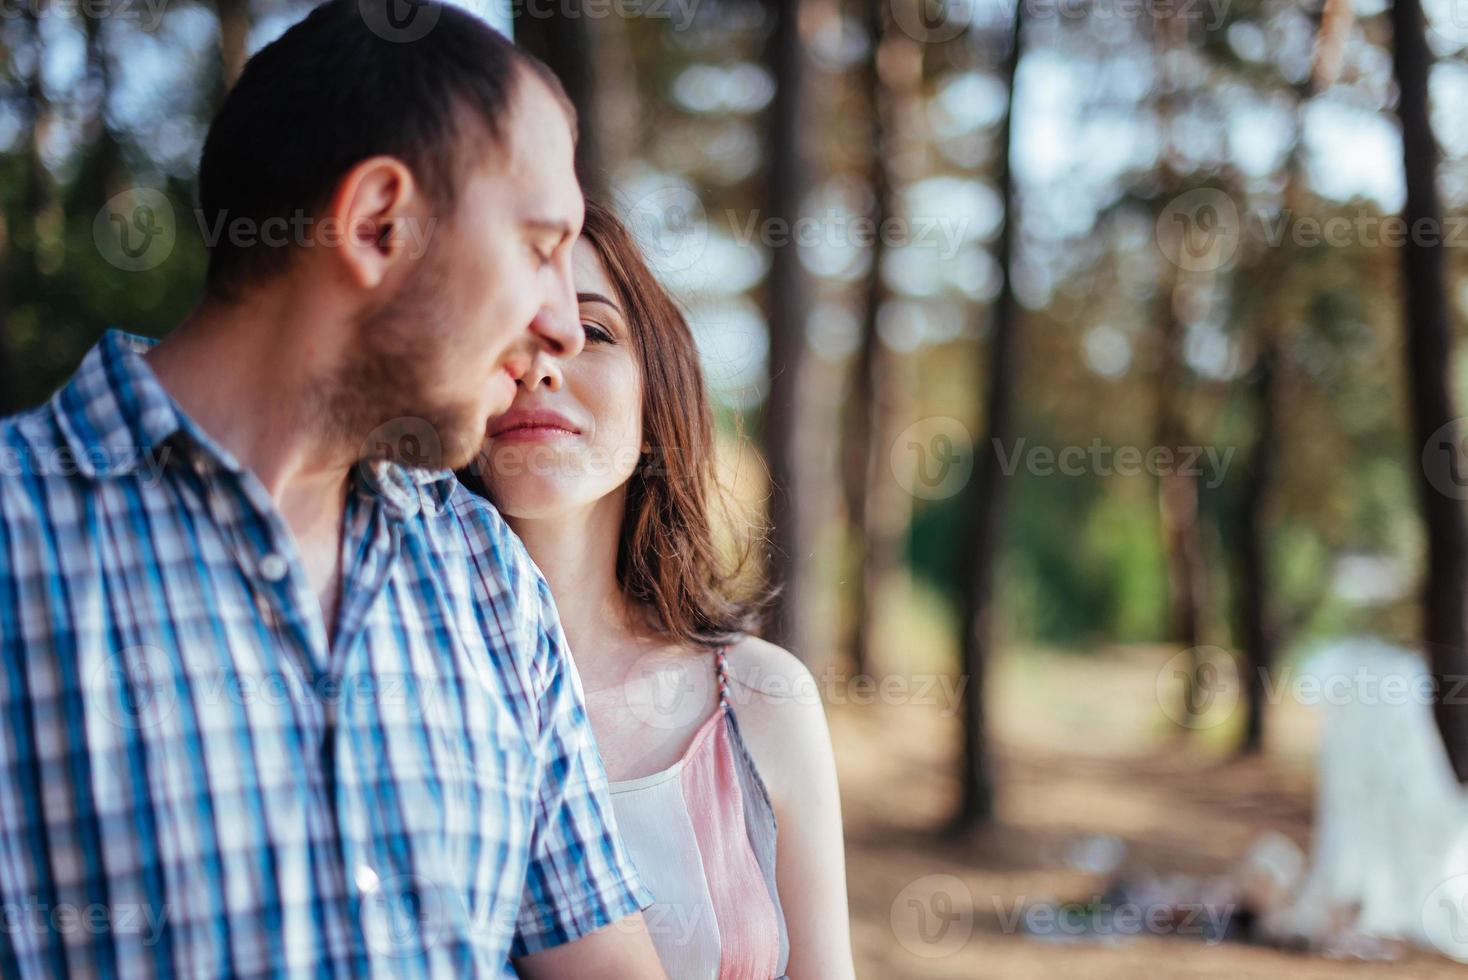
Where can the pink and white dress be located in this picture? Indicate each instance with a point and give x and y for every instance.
(702, 834)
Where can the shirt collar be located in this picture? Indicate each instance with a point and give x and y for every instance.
(405, 490)
(114, 413)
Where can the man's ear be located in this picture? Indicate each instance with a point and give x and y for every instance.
(364, 223)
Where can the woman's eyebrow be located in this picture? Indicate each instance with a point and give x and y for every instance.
(597, 298)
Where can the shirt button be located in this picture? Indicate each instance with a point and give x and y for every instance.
(273, 567)
(366, 879)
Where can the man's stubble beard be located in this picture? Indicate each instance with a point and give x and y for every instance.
(388, 383)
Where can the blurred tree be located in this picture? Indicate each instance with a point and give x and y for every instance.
(878, 509)
(102, 165)
(1253, 602)
(1278, 311)
(560, 36)
(1429, 333)
(10, 398)
(32, 245)
(618, 106)
(234, 33)
(983, 500)
(1177, 487)
(788, 308)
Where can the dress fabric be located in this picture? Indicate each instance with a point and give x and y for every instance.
(702, 836)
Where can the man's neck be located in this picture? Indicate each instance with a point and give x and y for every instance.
(250, 375)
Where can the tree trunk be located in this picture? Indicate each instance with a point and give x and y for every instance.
(1429, 353)
(1255, 621)
(234, 33)
(1251, 559)
(102, 166)
(1177, 492)
(618, 108)
(788, 308)
(985, 497)
(10, 399)
(33, 245)
(873, 525)
(561, 38)
(1177, 501)
(40, 196)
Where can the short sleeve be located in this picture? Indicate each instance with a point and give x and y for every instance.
(580, 877)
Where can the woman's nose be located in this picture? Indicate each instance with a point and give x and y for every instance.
(545, 371)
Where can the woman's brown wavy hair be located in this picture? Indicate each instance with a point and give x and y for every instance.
(671, 561)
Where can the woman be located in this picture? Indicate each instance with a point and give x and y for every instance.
(712, 738)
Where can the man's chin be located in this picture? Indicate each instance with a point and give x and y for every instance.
(461, 444)
(499, 405)
(434, 441)
(460, 456)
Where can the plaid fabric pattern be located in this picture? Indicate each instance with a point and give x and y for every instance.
(194, 783)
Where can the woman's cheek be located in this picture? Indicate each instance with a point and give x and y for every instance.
(612, 394)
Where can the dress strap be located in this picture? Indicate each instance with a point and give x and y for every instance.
(722, 667)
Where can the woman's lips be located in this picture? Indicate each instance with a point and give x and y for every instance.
(532, 425)
(533, 433)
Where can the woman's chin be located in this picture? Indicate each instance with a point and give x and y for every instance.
(534, 498)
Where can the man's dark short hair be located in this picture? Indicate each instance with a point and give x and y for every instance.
(340, 87)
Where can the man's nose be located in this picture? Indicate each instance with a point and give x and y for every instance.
(557, 327)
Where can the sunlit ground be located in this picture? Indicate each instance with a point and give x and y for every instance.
(1084, 750)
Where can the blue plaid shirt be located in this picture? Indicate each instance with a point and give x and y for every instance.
(194, 783)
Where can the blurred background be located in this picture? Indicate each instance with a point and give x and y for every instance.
(1094, 361)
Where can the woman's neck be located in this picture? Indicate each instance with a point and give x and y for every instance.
(577, 553)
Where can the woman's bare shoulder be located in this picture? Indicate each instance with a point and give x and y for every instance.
(781, 716)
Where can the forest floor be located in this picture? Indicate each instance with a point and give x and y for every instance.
(1085, 759)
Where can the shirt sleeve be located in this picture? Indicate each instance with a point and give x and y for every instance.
(580, 876)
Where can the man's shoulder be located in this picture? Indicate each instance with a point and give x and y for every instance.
(29, 435)
(477, 515)
(505, 576)
(35, 462)
(486, 535)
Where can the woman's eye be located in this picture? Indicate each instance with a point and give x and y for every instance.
(597, 334)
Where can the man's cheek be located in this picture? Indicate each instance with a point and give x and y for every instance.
(518, 309)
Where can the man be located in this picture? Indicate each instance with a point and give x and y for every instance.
(277, 696)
